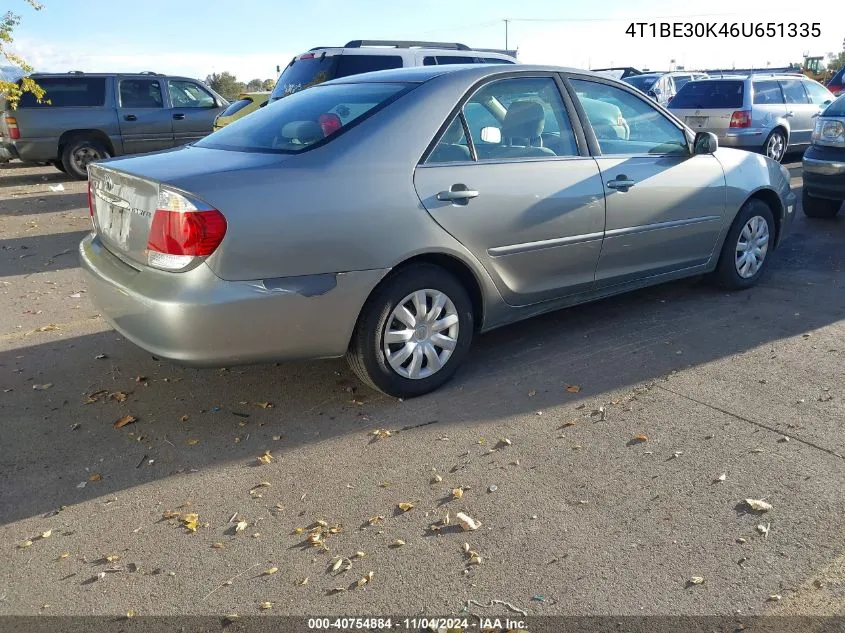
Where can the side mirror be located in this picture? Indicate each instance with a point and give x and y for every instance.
(705, 143)
(491, 135)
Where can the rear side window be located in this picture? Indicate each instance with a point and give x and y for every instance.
(140, 93)
(237, 106)
(349, 65)
(793, 91)
(496, 60)
(767, 93)
(709, 94)
(305, 119)
(70, 92)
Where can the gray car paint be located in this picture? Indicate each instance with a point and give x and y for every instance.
(284, 221)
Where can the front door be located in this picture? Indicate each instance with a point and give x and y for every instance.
(193, 110)
(665, 206)
(145, 123)
(518, 194)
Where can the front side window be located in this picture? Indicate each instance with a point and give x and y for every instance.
(67, 92)
(767, 93)
(140, 93)
(519, 118)
(187, 94)
(306, 118)
(818, 93)
(793, 91)
(626, 124)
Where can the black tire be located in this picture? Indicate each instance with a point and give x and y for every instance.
(59, 165)
(819, 207)
(726, 273)
(78, 153)
(771, 139)
(366, 356)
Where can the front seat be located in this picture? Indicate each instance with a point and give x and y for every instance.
(522, 130)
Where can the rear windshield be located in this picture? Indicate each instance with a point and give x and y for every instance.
(237, 106)
(305, 73)
(67, 92)
(292, 125)
(641, 82)
(708, 94)
(837, 108)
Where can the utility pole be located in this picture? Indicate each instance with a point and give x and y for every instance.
(506, 33)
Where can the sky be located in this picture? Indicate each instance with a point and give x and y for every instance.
(250, 38)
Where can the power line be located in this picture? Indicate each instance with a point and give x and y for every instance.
(623, 19)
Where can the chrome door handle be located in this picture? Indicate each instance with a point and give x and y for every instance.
(623, 183)
(816, 114)
(789, 114)
(457, 193)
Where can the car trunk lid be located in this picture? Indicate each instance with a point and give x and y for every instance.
(709, 104)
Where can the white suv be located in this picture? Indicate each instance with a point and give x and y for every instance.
(363, 56)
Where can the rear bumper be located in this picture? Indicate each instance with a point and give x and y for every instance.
(748, 139)
(7, 151)
(824, 172)
(36, 150)
(196, 318)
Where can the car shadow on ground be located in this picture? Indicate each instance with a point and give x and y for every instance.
(40, 253)
(45, 202)
(11, 176)
(61, 398)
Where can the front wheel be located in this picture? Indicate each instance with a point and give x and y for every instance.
(819, 207)
(744, 255)
(413, 333)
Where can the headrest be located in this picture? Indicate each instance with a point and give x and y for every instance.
(454, 133)
(303, 131)
(524, 119)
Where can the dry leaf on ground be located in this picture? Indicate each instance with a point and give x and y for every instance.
(467, 522)
(126, 419)
(573, 388)
(190, 520)
(266, 458)
(758, 505)
(696, 580)
(457, 493)
(397, 543)
(192, 442)
(405, 507)
(95, 477)
(641, 437)
(271, 571)
(266, 605)
(241, 526)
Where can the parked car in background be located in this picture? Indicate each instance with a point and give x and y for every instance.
(658, 86)
(824, 164)
(682, 77)
(837, 83)
(362, 56)
(87, 116)
(769, 113)
(247, 102)
(462, 198)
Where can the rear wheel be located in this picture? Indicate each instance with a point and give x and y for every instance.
(79, 153)
(775, 146)
(819, 207)
(745, 253)
(413, 333)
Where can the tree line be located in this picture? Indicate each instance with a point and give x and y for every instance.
(228, 86)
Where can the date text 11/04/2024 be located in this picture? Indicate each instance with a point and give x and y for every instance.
(420, 624)
(724, 29)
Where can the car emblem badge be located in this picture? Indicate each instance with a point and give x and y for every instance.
(108, 184)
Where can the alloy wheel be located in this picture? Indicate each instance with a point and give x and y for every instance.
(775, 147)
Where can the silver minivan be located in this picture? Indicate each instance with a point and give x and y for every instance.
(769, 113)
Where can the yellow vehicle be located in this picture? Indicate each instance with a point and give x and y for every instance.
(247, 102)
(813, 67)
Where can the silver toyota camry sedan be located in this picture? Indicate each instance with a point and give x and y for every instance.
(392, 216)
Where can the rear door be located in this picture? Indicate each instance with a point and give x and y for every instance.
(799, 111)
(768, 104)
(665, 206)
(519, 193)
(192, 108)
(146, 125)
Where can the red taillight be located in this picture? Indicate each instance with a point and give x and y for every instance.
(741, 118)
(12, 124)
(186, 233)
(90, 200)
(330, 123)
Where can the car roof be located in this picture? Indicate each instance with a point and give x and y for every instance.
(138, 74)
(420, 74)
